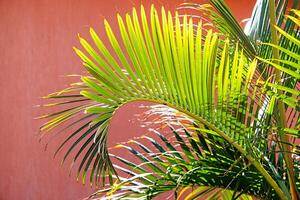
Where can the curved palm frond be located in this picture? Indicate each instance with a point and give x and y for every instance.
(187, 163)
(166, 61)
(178, 162)
(165, 82)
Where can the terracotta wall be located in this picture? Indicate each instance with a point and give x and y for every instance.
(36, 37)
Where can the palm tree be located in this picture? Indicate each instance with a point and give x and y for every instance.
(227, 98)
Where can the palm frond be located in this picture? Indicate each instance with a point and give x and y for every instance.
(213, 169)
(204, 76)
(287, 90)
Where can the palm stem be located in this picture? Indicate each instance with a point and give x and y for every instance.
(252, 160)
(282, 119)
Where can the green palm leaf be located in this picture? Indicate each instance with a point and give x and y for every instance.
(206, 77)
(216, 172)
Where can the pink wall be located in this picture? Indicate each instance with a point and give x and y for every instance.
(36, 38)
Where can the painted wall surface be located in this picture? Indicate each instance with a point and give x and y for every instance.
(36, 37)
